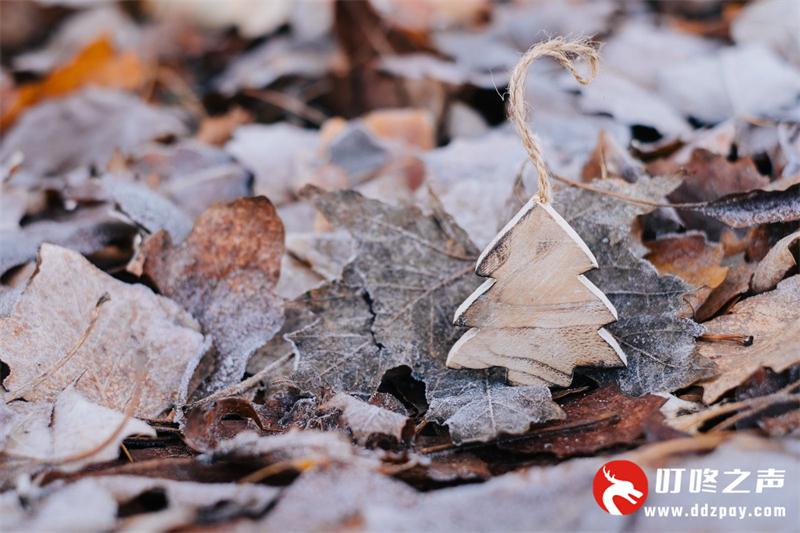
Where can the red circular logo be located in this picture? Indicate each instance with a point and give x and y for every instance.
(620, 487)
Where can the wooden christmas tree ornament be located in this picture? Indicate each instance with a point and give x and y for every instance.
(537, 315)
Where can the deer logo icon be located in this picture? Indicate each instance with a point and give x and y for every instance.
(620, 487)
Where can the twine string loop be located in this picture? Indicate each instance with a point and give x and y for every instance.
(565, 52)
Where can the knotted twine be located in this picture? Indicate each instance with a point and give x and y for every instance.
(565, 52)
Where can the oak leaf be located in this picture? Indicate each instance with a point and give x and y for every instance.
(224, 273)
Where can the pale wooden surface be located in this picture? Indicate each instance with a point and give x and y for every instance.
(537, 315)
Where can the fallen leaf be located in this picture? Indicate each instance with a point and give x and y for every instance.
(217, 130)
(192, 174)
(460, 174)
(690, 257)
(414, 127)
(224, 273)
(70, 433)
(367, 422)
(336, 350)
(275, 59)
(50, 342)
(775, 265)
(772, 320)
(377, 318)
(86, 230)
(483, 407)
(770, 23)
(594, 421)
(185, 502)
(136, 502)
(76, 32)
(66, 508)
(755, 207)
(275, 154)
(632, 105)
(559, 495)
(610, 159)
(97, 64)
(148, 209)
(347, 490)
(205, 424)
(735, 81)
(325, 253)
(640, 49)
(298, 449)
(709, 177)
(737, 282)
(84, 129)
(651, 327)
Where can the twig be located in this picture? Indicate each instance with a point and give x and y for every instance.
(288, 103)
(252, 381)
(618, 195)
(64, 360)
(739, 338)
(130, 408)
(278, 468)
(627, 198)
(126, 452)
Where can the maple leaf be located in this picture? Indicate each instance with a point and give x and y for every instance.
(394, 308)
(657, 339)
(481, 407)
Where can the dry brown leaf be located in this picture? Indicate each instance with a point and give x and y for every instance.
(755, 207)
(610, 159)
(219, 129)
(710, 176)
(773, 320)
(225, 273)
(737, 282)
(689, 256)
(41, 339)
(192, 174)
(594, 421)
(206, 424)
(414, 127)
(96, 64)
(778, 261)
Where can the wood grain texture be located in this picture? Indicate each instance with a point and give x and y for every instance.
(536, 315)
